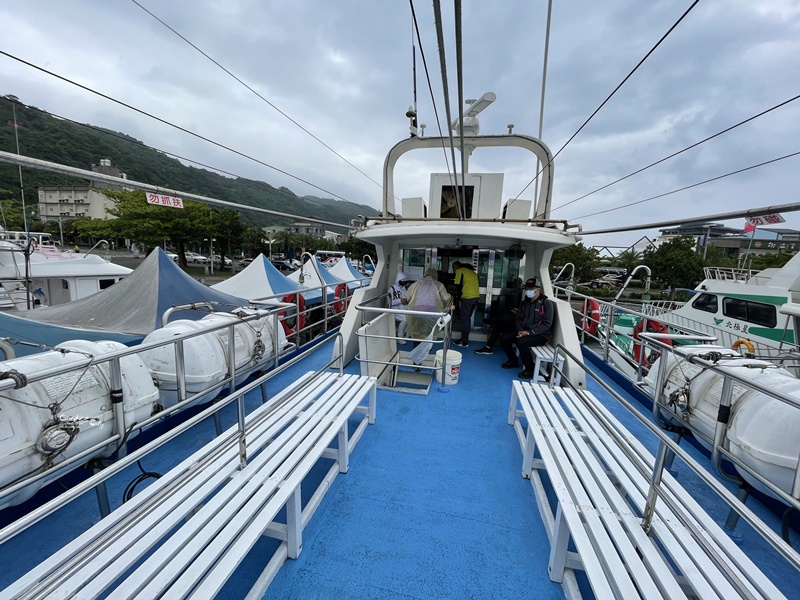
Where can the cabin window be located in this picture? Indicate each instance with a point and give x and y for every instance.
(757, 313)
(107, 283)
(706, 302)
(449, 210)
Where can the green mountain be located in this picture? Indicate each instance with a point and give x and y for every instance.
(51, 138)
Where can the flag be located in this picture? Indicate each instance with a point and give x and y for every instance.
(749, 227)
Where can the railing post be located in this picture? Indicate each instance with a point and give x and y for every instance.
(117, 402)
(242, 432)
(723, 416)
(655, 484)
(180, 371)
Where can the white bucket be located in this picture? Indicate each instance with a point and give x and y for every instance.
(451, 369)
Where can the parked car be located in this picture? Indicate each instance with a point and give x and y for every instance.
(172, 256)
(192, 257)
(607, 282)
(245, 261)
(216, 259)
(283, 266)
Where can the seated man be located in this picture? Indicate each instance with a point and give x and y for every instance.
(532, 327)
(500, 325)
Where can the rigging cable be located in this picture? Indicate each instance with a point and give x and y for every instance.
(165, 122)
(430, 85)
(690, 186)
(616, 89)
(732, 127)
(460, 84)
(131, 140)
(254, 91)
(437, 17)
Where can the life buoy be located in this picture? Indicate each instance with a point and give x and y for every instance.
(747, 344)
(296, 322)
(652, 327)
(341, 298)
(590, 314)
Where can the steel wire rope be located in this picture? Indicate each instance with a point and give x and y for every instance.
(217, 63)
(437, 17)
(699, 183)
(460, 88)
(168, 123)
(131, 140)
(674, 154)
(616, 89)
(430, 85)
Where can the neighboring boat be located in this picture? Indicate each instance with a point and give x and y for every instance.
(46, 276)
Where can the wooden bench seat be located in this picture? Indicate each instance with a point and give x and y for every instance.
(542, 357)
(184, 535)
(600, 475)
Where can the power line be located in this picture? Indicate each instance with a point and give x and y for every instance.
(254, 91)
(131, 140)
(616, 89)
(679, 152)
(165, 122)
(689, 186)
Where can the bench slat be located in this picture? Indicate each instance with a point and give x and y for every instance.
(647, 570)
(197, 537)
(602, 489)
(699, 567)
(91, 545)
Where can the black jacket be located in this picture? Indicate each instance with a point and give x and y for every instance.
(536, 317)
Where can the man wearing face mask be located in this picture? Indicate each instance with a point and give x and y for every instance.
(533, 324)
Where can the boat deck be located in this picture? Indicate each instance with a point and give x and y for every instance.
(433, 505)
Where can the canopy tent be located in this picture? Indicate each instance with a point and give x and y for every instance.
(345, 271)
(312, 280)
(260, 279)
(136, 304)
(46, 336)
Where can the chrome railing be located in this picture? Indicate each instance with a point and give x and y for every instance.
(99, 479)
(667, 446)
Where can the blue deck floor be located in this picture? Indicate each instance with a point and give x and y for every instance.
(433, 505)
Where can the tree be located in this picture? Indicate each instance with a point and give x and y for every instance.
(151, 225)
(586, 260)
(628, 259)
(357, 248)
(676, 263)
(767, 261)
(285, 240)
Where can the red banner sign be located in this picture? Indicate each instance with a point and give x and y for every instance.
(164, 200)
(773, 219)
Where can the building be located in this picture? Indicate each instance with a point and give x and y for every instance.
(79, 202)
(73, 202)
(307, 228)
(735, 242)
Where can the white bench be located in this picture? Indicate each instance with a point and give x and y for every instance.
(184, 535)
(601, 493)
(542, 356)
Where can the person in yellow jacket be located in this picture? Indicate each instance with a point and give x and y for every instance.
(467, 282)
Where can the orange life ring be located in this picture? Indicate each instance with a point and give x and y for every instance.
(341, 298)
(297, 322)
(747, 343)
(652, 327)
(590, 316)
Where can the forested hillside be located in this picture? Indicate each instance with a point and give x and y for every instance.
(53, 139)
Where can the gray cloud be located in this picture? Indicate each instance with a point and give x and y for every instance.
(343, 71)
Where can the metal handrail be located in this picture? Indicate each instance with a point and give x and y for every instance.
(667, 444)
(53, 505)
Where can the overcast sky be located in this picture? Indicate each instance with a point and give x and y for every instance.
(342, 70)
